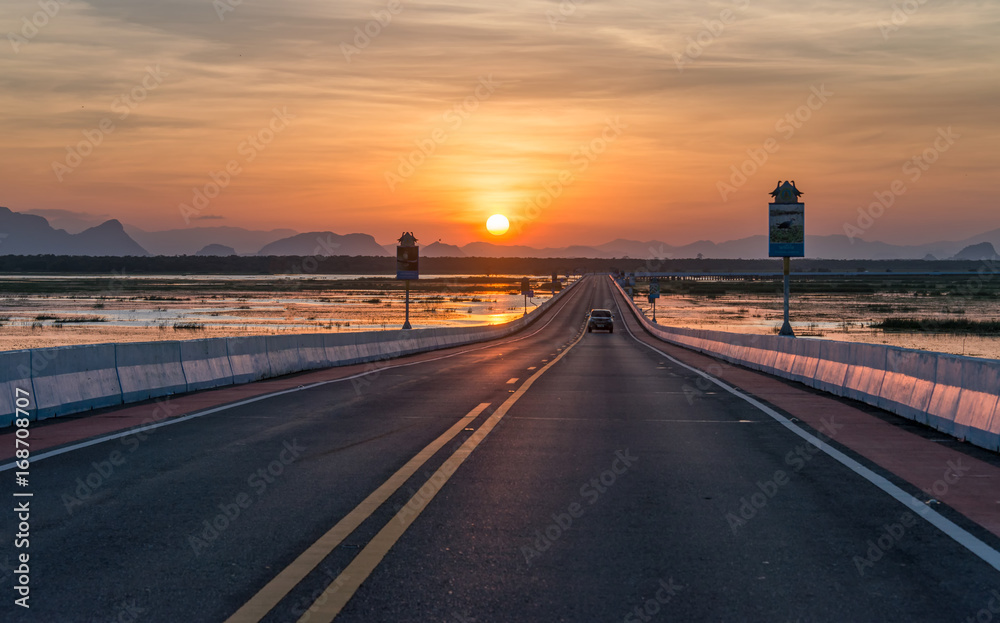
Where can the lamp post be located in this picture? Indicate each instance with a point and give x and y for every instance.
(407, 266)
(786, 236)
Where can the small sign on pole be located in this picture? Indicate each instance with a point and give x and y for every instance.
(786, 236)
(407, 266)
(786, 222)
(407, 257)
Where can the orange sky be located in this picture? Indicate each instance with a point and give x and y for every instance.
(454, 111)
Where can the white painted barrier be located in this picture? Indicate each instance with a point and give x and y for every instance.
(69, 379)
(248, 358)
(977, 401)
(340, 347)
(283, 354)
(956, 395)
(15, 374)
(149, 370)
(910, 377)
(206, 363)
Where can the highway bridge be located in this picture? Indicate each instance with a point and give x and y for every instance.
(553, 475)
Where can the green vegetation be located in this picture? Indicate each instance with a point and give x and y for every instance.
(934, 325)
(69, 319)
(188, 326)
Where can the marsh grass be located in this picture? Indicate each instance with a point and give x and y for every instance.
(934, 325)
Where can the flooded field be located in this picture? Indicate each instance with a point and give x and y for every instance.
(46, 311)
(849, 310)
(51, 310)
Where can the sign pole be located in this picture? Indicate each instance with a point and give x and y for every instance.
(407, 266)
(406, 325)
(786, 328)
(786, 237)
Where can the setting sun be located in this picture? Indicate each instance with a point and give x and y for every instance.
(497, 224)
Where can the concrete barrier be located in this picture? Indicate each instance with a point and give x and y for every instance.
(994, 430)
(956, 395)
(312, 352)
(283, 354)
(149, 370)
(943, 405)
(977, 401)
(832, 367)
(340, 347)
(70, 379)
(248, 358)
(910, 376)
(206, 363)
(15, 374)
(866, 371)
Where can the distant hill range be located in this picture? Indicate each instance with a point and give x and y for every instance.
(981, 251)
(324, 243)
(216, 250)
(190, 240)
(27, 234)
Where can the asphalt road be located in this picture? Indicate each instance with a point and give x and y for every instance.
(556, 476)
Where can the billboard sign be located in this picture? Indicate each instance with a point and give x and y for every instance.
(654, 290)
(407, 262)
(786, 230)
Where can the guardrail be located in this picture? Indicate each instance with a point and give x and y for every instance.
(953, 394)
(72, 379)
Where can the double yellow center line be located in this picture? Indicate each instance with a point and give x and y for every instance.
(335, 597)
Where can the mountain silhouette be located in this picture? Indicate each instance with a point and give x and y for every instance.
(324, 243)
(216, 250)
(981, 251)
(189, 240)
(28, 234)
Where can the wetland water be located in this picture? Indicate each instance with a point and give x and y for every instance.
(54, 310)
(840, 309)
(57, 310)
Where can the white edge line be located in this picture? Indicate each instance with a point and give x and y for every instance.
(131, 431)
(986, 553)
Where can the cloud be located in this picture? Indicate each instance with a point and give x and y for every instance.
(560, 79)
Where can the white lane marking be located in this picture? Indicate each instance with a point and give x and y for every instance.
(512, 381)
(198, 414)
(986, 553)
(532, 367)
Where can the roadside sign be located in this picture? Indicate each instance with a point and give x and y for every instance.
(786, 222)
(654, 289)
(525, 286)
(407, 262)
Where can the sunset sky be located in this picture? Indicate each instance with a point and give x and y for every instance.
(581, 121)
